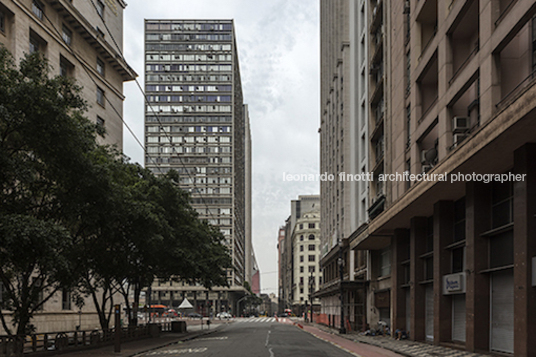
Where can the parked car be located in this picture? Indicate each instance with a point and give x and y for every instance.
(195, 315)
(224, 315)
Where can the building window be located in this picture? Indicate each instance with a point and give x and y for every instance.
(301, 248)
(301, 269)
(301, 225)
(502, 204)
(301, 290)
(311, 247)
(38, 9)
(100, 8)
(2, 22)
(100, 96)
(100, 66)
(301, 238)
(501, 250)
(34, 44)
(311, 258)
(311, 225)
(66, 67)
(311, 269)
(67, 35)
(385, 262)
(408, 126)
(429, 268)
(301, 258)
(100, 122)
(66, 300)
(458, 260)
(100, 32)
(459, 220)
(311, 237)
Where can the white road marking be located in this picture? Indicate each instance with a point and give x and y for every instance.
(184, 350)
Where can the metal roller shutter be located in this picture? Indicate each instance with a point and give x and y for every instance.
(458, 318)
(502, 311)
(429, 321)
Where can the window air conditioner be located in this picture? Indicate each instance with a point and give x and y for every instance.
(458, 138)
(460, 124)
(423, 156)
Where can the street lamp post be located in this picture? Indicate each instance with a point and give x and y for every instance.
(311, 285)
(342, 329)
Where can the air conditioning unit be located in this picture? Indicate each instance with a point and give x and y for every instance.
(423, 156)
(460, 124)
(458, 138)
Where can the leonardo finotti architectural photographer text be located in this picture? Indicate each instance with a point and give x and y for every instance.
(405, 176)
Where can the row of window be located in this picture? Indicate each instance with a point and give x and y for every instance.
(187, 37)
(189, 129)
(189, 98)
(311, 247)
(188, 108)
(188, 58)
(188, 119)
(187, 150)
(311, 237)
(311, 258)
(311, 225)
(312, 269)
(197, 88)
(188, 78)
(214, 211)
(189, 139)
(185, 68)
(197, 160)
(207, 26)
(175, 47)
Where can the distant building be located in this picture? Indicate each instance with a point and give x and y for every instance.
(79, 39)
(287, 253)
(196, 123)
(350, 134)
(306, 261)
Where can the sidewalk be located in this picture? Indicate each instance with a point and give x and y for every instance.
(133, 348)
(403, 347)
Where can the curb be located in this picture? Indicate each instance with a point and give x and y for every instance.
(186, 338)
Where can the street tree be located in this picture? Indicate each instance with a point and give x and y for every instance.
(44, 141)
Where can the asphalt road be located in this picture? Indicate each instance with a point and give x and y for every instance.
(252, 338)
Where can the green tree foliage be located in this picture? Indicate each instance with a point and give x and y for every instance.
(76, 215)
(43, 144)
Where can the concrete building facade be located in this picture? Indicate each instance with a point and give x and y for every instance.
(306, 261)
(460, 104)
(344, 153)
(196, 123)
(80, 39)
(287, 252)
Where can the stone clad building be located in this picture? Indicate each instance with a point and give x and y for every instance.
(80, 40)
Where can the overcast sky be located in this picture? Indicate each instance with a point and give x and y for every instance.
(278, 45)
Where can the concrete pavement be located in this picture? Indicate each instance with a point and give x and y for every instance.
(400, 347)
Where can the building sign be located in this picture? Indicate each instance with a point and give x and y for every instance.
(382, 299)
(454, 284)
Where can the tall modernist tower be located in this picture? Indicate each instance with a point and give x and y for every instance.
(196, 123)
